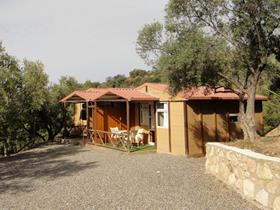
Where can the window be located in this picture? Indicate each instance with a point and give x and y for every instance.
(144, 114)
(160, 106)
(233, 118)
(83, 113)
(162, 115)
(160, 119)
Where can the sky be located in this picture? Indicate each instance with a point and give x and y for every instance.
(87, 39)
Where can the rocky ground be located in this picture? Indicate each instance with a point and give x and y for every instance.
(72, 177)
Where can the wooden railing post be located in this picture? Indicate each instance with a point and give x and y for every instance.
(128, 125)
(87, 113)
(95, 120)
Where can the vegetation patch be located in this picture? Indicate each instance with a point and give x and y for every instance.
(143, 149)
(134, 148)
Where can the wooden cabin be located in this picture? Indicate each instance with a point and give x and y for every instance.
(124, 108)
(197, 116)
(179, 125)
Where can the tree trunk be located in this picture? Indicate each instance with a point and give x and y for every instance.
(5, 150)
(247, 112)
(51, 134)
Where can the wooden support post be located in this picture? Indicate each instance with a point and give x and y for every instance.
(87, 113)
(216, 122)
(186, 127)
(64, 120)
(202, 132)
(228, 124)
(128, 125)
(169, 128)
(95, 120)
(155, 123)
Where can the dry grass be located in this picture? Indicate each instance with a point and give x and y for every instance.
(265, 145)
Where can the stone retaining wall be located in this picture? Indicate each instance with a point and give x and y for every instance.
(255, 176)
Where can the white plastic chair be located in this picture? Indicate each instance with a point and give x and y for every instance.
(139, 137)
(114, 133)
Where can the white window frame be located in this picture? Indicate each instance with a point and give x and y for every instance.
(163, 110)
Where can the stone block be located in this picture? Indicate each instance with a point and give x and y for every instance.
(228, 154)
(251, 164)
(276, 203)
(248, 188)
(231, 179)
(224, 171)
(259, 183)
(233, 159)
(262, 197)
(239, 173)
(221, 154)
(239, 184)
(263, 171)
(273, 187)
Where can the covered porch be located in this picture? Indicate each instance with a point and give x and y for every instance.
(120, 118)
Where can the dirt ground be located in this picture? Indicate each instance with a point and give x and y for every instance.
(265, 145)
(74, 177)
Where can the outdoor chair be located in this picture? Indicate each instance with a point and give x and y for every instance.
(115, 133)
(139, 137)
(136, 137)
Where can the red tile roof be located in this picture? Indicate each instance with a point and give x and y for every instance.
(92, 94)
(201, 93)
(131, 94)
(206, 93)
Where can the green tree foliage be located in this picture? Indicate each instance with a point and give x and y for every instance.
(271, 107)
(116, 81)
(30, 111)
(10, 97)
(135, 78)
(89, 84)
(33, 97)
(23, 91)
(224, 42)
(56, 116)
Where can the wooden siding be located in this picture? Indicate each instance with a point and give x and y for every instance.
(111, 115)
(162, 140)
(114, 115)
(208, 121)
(195, 143)
(177, 128)
(162, 95)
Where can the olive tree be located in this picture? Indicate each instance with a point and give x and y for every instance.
(221, 42)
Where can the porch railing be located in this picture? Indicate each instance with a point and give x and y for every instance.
(121, 140)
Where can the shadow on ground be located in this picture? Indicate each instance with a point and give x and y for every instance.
(19, 172)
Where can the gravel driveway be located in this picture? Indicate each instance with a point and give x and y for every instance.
(72, 177)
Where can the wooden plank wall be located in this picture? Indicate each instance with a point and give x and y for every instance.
(108, 116)
(195, 142)
(162, 140)
(177, 129)
(208, 121)
(114, 115)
